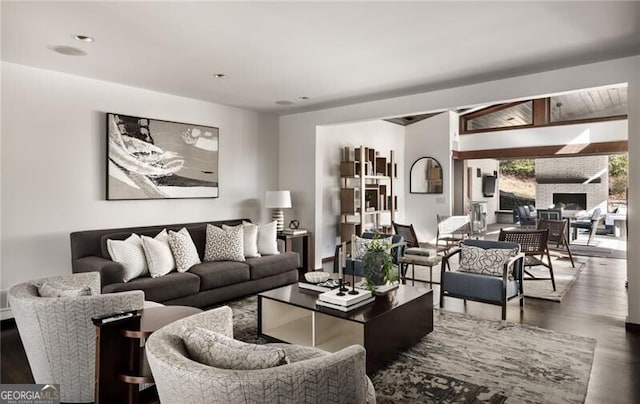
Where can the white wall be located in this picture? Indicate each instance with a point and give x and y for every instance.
(428, 138)
(595, 132)
(380, 135)
(53, 165)
(298, 133)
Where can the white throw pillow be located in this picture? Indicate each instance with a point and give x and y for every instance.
(184, 251)
(158, 252)
(224, 245)
(267, 238)
(249, 239)
(130, 255)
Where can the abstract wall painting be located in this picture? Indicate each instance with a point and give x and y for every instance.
(155, 159)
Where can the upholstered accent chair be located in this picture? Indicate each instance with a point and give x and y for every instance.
(485, 271)
(312, 376)
(57, 332)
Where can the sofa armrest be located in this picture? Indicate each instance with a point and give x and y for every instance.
(110, 271)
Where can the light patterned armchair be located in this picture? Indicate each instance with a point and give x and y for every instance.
(58, 335)
(312, 376)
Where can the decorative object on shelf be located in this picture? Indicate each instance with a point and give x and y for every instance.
(378, 264)
(294, 224)
(317, 276)
(425, 176)
(367, 193)
(155, 159)
(278, 200)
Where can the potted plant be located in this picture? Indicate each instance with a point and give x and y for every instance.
(378, 263)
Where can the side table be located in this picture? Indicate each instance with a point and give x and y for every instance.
(121, 365)
(307, 255)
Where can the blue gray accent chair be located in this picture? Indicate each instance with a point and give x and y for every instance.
(526, 215)
(351, 265)
(491, 289)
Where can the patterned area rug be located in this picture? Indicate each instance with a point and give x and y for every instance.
(472, 360)
(564, 274)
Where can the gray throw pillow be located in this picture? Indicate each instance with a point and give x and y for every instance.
(184, 251)
(217, 350)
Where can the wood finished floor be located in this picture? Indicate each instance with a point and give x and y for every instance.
(596, 307)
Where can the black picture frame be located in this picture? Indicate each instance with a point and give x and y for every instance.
(157, 159)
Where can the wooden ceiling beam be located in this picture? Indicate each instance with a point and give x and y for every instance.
(620, 146)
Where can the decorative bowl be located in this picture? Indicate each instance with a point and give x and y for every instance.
(316, 276)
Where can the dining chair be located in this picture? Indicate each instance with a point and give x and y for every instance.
(557, 234)
(533, 243)
(452, 230)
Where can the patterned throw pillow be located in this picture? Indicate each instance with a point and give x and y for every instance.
(48, 289)
(488, 261)
(249, 239)
(184, 251)
(158, 252)
(224, 245)
(217, 350)
(130, 255)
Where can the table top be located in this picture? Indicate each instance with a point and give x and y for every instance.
(157, 317)
(306, 299)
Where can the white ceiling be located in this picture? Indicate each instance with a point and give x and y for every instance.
(333, 53)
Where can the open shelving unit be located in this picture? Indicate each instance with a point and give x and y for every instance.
(366, 190)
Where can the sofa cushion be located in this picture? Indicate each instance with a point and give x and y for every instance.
(478, 286)
(168, 287)
(221, 273)
(273, 264)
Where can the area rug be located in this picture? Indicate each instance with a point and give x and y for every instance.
(582, 249)
(564, 274)
(471, 360)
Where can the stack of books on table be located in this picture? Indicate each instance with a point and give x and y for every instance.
(294, 232)
(325, 286)
(347, 302)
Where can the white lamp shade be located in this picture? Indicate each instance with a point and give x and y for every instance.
(278, 199)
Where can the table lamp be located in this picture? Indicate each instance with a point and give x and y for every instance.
(278, 200)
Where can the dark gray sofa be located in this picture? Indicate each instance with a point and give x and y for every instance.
(203, 285)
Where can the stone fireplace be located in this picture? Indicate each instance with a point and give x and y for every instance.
(581, 183)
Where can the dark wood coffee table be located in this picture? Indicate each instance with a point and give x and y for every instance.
(392, 324)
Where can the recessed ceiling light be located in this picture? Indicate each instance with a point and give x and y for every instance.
(220, 75)
(284, 102)
(84, 38)
(304, 98)
(68, 50)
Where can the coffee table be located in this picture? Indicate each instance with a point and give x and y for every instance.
(390, 325)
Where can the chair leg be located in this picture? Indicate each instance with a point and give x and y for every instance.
(441, 296)
(553, 281)
(570, 256)
(504, 310)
